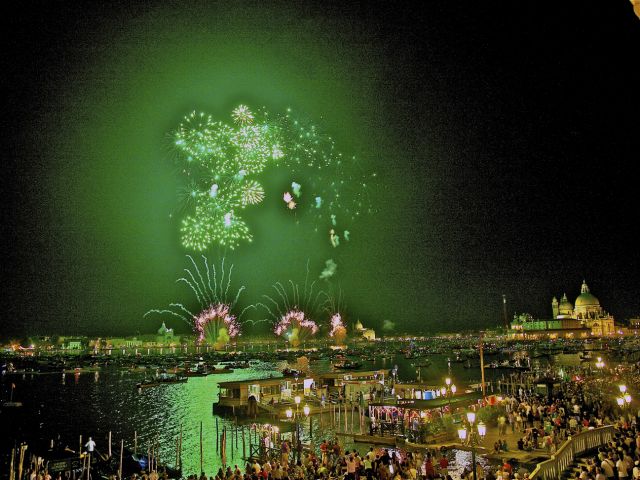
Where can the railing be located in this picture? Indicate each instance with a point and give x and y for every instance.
(263, 453)
(575, 446)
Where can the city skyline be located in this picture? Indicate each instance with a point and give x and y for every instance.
(498, 140)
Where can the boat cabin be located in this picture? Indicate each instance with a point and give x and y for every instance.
(238, 394)
(418, 420)
(416, 391)
(352, 383)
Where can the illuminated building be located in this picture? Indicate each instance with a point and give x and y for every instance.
(586, 318)
(366, 333)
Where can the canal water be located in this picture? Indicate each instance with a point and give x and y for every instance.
(94, 404)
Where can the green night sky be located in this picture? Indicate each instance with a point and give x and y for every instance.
(97, 177)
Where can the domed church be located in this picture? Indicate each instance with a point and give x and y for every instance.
(587, 310)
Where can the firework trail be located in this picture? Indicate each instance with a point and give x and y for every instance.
(212, 322)
(292, 307)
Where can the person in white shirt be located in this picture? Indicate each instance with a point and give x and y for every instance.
(607, 467)
(621, 465)
(91, 445)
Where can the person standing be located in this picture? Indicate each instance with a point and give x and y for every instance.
(351, 467)
(444, 465)
(607, 467)
(623, 471)
(90, 445)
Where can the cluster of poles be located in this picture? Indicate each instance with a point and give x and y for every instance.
(239, 439)
(18, 456)
(240, 436)
(346, 415)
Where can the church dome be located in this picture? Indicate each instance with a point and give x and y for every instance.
(586, 298)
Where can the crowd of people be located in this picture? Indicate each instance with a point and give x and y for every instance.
(538, 421)
(333, 463)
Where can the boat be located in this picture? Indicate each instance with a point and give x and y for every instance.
(79, 370)
(161, 379)
(133, 463)
(347, 365)
(224, 369)
(199, 370)
(585, 356)
(236, 365)
(425, 363)
(506, 364)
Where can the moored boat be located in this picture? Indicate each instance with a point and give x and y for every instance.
(347, 365)
(162, 379)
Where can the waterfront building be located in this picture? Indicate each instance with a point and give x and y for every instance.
(584, 319)
(422, 421)
(243, 395)
(587, 311)
(122, 342)
(365, 333)
(73, 343)
(164, 333)
(350, 384)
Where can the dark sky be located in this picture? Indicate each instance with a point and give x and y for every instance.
(504, 136)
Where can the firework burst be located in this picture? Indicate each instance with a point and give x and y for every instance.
(216, 326)
(242, 115)
(252, 193)
(291, 308)
(295, 327)
(337, 331)
(213, 321)
(221, 162)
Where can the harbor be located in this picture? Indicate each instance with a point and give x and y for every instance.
(188, 423)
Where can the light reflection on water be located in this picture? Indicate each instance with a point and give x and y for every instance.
(96, 403)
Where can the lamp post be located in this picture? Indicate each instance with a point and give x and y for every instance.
(296, 418)
(624, 400)
(600, 364)
(472, 438)
(307, 410)
(448, 390)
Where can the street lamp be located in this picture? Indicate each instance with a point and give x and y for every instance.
(472, 438)
(448, 390)
(307, 410)
(599, 364)
(624, 400)
(290, 414)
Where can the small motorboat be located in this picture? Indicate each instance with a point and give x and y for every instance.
(224, 369)
(161, 379)
(347, 365)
